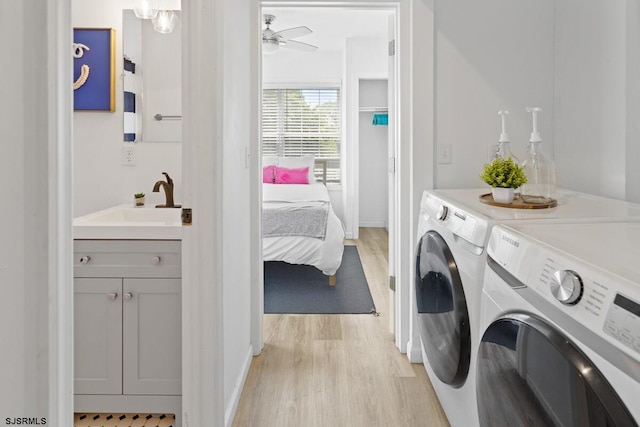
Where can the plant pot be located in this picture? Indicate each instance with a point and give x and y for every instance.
(502, 195)
(138, 202)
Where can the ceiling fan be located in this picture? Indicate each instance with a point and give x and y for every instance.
(272, 40)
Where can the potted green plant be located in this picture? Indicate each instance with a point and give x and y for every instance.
(504, 176)
(138, 199)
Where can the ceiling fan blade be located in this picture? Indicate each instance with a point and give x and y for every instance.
(292, 33)
(292, 44)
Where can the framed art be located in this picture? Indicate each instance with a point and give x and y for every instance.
(94, 55)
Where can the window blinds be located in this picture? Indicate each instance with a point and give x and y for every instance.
(298, 122)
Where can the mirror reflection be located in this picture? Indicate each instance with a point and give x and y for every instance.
(152, 80)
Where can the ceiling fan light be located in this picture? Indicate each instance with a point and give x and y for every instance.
(146, 9)
(270, 46)
(165, 21)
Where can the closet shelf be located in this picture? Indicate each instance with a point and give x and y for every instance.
(374, 109)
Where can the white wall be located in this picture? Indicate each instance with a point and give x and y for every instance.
(237, 238)
(100, 180)
(490, 56)
(35, 254)
(632, 171)
(24, 257)
(290, 66)
(591, 94)
(578, 60)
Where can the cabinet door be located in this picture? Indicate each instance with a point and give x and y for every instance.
(97, 336)
(152, 353)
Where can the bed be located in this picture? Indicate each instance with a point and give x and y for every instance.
(299, 223)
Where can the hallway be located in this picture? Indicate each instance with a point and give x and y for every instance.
(339, 370)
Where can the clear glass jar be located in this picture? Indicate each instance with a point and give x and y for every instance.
(541, 176)
(503, 150)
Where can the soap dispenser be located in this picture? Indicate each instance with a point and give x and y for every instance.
(538, 168)
(503, 149)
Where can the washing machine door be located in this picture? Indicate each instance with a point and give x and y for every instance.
(530, 374)
(443, 318)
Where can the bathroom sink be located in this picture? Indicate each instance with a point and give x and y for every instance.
(127, 222)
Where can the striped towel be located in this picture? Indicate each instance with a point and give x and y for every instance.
(130, 83)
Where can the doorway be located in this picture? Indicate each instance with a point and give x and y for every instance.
(345, 67)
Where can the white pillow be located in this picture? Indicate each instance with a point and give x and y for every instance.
(299, 162)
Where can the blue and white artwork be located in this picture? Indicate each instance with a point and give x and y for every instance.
(94, 69)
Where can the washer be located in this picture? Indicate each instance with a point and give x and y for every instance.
(453, 230)
(561, 320)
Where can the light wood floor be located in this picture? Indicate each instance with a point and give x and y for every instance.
(339, 370)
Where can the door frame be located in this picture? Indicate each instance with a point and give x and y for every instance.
(402, 224)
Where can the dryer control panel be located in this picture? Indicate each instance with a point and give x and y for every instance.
(460, 222)
(623, 322)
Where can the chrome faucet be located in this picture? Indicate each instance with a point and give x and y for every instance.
(168, 191)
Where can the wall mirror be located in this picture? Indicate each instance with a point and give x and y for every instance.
(152, 70)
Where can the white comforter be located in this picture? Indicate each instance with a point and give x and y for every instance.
(325, 255)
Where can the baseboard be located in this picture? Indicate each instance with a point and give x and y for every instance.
(414, 352)
(372, 224)
(230, 412)
(348, 235)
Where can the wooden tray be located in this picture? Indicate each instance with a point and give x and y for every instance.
(518, 203)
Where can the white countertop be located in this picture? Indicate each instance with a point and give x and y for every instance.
(128, 222)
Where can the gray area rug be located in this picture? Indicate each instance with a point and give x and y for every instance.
(303, 289)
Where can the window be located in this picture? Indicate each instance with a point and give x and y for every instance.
(298, 122)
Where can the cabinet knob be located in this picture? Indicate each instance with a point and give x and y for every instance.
(85, 259)
(155, 260)
(112, 297)
(127, 296)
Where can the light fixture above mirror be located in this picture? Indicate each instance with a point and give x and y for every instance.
(146, 9)
(165, 21)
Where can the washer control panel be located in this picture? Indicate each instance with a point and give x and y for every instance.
(623, 322)
(603, 303)
(566, 286)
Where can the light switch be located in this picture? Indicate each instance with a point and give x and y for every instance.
(444, 154)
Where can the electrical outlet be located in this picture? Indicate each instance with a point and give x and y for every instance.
(128, 155)
(444, 154)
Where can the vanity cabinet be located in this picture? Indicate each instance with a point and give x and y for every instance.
(127, 325)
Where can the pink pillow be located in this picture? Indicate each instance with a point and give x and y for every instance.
(292, 175)
(268, 173)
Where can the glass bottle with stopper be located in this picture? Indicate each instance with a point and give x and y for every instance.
(503, 149)
(539, 169)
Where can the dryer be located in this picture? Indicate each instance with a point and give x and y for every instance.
(453, 230)
(561, 326)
